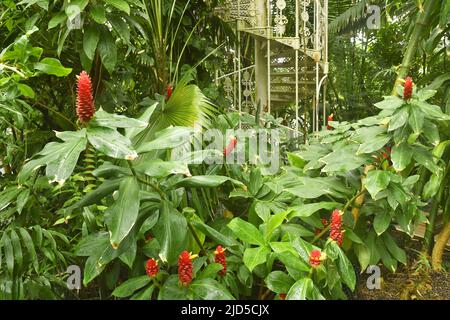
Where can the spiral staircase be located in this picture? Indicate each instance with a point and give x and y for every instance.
(290, 60)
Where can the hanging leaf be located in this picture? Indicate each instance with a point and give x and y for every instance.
(111, 143)
(122, 215)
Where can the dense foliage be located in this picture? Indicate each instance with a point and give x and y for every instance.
(102, 109)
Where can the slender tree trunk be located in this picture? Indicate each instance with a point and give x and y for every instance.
(423, 19)
(438, 249)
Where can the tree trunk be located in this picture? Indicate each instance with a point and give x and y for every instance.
(439, 247)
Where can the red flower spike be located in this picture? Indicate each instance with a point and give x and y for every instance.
(85, 100)
(185, 268)
(151, 267)
(315, 258)
(336, 233)
(283, 296)
(329, 119)
(219, 257)
(408, 89)
(168, 91)
(230, 147)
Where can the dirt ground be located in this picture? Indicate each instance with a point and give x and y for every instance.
(413, 282)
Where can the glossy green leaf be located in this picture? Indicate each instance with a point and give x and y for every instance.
(279, 282)
(246, 231)
(210, 289)
(122, 215)
(401, 156)
(111, 143)
(127, 288)
(105, 119)
(381, 222)
(171, 232)
(52, 66)
(376, 181)
(91, 37)
(300, 290)
(167, 139)
(255, 256)
(119, 4)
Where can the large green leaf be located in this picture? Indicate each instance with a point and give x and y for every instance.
(374, 145)
(130, 286)
(119, 4)
(160, 168)
(122, 215)
(52, 66)
(107, 50)
(171, 290)
(111, 143)
(279, 282)
(167, 139)
(171, 232)
(105, 119)
(301, 290)
(401, 156)
(90, 40)
(430, 111)
(345, 267)
(206, 181)
(398, 119)
(215, 235)
(246, 231)
(61, 169)
(376, 181)
(306, 210)
(381, 222)
(255, 256)
(209, 289)
(416, 119)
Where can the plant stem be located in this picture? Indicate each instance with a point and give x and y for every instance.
(327, 228)
(149, 183)
(421, 23)
(196, 238)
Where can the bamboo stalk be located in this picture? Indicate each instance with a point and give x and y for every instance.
(422, 21)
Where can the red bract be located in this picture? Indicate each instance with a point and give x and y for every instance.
(408, 89)
(230, 147)
(315, 258)
(85, 100)
(282, 296)
(185, 268)
(151, 267)
(330, 118)
(336, 233)
(219, 257)
(169, 90)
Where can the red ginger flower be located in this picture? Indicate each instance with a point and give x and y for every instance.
(85, 101)
(151, 267)
(329, 119)
(168, 91)
(230, 147)
(408, 89)
(185, 267)
(316, 257)
(219, 257)
(336, 232)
